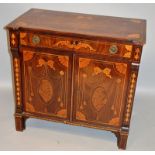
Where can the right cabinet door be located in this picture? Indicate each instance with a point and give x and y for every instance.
(100, 90)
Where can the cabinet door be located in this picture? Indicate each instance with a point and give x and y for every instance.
(46, 83)
(100, 91)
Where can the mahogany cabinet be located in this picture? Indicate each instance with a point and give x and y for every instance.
(76, 69)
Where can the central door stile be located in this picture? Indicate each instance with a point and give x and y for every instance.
(72, 81)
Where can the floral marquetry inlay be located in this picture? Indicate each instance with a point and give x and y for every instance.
(83, 62)
(27, 55)
(23, 38)
(49, 63)
(29, 107)
(114, 121)
(74, 45)
(121, 67)
(17, 80)
(80, 116)
(128, 52)
(106, 71)
(62, 113)
(64, 60)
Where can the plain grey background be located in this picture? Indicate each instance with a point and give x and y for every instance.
(42, 135)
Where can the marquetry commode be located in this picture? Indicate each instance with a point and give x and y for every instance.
(75, 68)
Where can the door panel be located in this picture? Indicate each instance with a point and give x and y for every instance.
(46, 86)
(100, 91)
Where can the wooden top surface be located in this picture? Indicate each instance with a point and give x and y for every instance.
(127, 29)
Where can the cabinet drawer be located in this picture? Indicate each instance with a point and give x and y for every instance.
(110, 49)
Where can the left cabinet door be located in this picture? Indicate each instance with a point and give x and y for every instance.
(46, 83)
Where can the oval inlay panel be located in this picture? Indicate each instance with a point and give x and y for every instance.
(45, 90)
(99, 98)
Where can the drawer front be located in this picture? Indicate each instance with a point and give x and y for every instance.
(100, 91)
(110, 49)
(46, 83)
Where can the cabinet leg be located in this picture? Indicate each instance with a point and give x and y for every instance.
(122, 138)
(19, 122)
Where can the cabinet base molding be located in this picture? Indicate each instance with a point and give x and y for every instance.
(122, 136)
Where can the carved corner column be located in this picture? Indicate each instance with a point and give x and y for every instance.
(16, 64)
(130, 95)
(122, 136)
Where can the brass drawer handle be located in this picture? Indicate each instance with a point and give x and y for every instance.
(35, 39)
(113, 49)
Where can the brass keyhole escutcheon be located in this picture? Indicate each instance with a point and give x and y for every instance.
(36, 39)
(113, 49)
